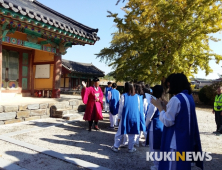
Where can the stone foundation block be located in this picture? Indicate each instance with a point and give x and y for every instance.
(48, 111)
(69, 107)
(75, 108)
(60, 105)
(1, 109)
(23, 107)
(33, 106)
(45, 116)
(32, 118)
(11, 108)
(13, 121)
(23, 114)
(7, 115)
(39, 112)
(72, 111)
(43, 105)
(60, 113)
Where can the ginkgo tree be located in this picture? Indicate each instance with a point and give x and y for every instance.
(158, 37)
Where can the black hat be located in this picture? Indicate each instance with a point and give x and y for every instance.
(95, 79)
(109, 83)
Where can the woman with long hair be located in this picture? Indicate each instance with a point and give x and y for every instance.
(155, 126)
(180, 132)
(131, 113)
(139, 90)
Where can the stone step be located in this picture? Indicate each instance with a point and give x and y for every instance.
(60, 113)
(72, 116)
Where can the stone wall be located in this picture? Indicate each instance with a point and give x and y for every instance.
(19, 113)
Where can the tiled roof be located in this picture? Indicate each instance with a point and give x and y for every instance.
(35, 10)
(84, 68)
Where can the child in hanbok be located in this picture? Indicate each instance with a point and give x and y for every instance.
(131, 111)
(113, 97)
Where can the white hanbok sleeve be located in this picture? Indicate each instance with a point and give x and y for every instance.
(172, 109)
(109, 95)
(145, 104)
(121, 104)
(152, 109)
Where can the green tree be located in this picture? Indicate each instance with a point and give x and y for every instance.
(109, 76)
(158, 37)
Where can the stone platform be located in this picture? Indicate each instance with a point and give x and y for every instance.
(19, 109)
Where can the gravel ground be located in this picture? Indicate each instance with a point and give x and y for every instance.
(210, 142)
(28, 125)
(75, 141)
(32, 160)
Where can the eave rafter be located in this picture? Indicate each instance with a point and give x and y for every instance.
(45, 30)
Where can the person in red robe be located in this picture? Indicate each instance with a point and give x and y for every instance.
(93, 98)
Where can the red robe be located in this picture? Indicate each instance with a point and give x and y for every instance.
(93, 108)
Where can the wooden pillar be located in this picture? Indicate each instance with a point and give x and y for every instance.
(57, 76)
(32, 77)
(0, 66)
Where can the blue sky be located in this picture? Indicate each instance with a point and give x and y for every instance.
(93, 14)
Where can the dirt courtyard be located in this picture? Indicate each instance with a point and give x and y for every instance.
(74, 141)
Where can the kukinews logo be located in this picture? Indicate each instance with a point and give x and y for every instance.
(178, 156)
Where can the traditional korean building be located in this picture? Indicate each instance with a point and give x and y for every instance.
(73, 73)
(33, 39)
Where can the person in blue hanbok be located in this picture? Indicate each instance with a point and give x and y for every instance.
(106, 92)
(155, 126)
(139, 90)
(132, 119)
(180, 132)
(113, 97)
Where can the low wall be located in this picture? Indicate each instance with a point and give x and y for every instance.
(26, 112)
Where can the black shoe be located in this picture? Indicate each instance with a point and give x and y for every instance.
(216, 132)
(90, 128)
(111, 128)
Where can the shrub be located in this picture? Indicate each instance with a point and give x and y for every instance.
(202, 95)
(207, 93)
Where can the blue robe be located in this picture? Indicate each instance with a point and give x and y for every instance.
(157, 131)
(186, 141)
(132, 116)
(114, 102)
(106, 95)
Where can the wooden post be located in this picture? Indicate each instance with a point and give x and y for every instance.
(32, 72)
(0, 66)
(57, 76)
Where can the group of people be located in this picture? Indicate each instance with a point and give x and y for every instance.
(167, 126)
